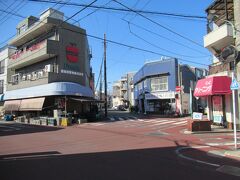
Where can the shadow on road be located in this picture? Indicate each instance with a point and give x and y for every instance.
(16, 129)
(139, 164)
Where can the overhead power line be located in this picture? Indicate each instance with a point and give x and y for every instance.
(122, 44)
(164, 37)
(55, 4)
(134, 47)
(12, 13)
(127, 10)
(160, 25)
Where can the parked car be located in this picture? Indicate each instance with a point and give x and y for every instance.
(121, 108)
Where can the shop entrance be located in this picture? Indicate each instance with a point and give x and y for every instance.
(218, 110)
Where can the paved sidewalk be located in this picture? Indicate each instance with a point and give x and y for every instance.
(227, 153)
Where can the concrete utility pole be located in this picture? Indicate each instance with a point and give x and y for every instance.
(237, 45)
(105, 74)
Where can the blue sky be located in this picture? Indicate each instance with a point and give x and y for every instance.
(140, 32)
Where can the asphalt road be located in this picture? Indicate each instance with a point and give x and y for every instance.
(141, 149)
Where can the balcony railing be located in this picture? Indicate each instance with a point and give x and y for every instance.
(35, 53)
(219, 38)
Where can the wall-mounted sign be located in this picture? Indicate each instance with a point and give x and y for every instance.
(72, 54)
(160, 95)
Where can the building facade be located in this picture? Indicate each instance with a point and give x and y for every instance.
(163, 87)
(4, 55)
(50, 68)
(221, 36)
(123, 91)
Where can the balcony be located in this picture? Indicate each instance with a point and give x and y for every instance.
(38, 28)
(219, 38)
(33, 54)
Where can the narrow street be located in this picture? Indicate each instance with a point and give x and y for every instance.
(125, 146)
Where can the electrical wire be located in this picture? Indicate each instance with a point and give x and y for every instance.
(156, 46)
(164, 37)
(40, 21)
(16, 9)
(127, 10)
(160, 25)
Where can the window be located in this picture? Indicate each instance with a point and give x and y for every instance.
(159, 84)
(15, 79)
(139, 86)
(145, 83)
(2, 66)
(1, 86)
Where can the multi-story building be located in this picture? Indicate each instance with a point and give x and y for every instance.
(163, 87)
(50, 68)
(116, 94)
(4, 55)
(221, 36)
(123, 91)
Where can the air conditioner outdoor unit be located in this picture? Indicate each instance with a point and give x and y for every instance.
(48, 68)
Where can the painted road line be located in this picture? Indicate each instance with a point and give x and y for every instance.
(178, 152)
(222, 144)
(182, 122)
(98, 124)
(156, 124)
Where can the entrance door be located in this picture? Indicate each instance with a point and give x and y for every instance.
(218, 110)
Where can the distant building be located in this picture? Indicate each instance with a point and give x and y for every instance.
(50, 68)
(123, 91)
(4, 56)
(163, 87)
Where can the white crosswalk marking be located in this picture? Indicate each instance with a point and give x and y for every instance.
(134, 122)
(182, 122)
(156, 124)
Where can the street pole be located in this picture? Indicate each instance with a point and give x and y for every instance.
(190, 104)
(234, 115)
(105, 75)
(236, 27)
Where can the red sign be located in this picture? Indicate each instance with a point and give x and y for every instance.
(72, 54)
(213, 86)
(178, 88)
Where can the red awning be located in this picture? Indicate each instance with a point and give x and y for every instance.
(213, 86)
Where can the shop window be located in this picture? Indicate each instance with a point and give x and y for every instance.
(159, 84)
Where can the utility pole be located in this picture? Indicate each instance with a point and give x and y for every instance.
(105, 74)
(100, 87)
(236, 6)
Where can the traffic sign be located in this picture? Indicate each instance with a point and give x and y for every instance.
(234, 84)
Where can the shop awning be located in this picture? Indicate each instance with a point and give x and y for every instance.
(51, 89)
(215, 85)
(88, 100)
(12, 105)
(34, 104)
